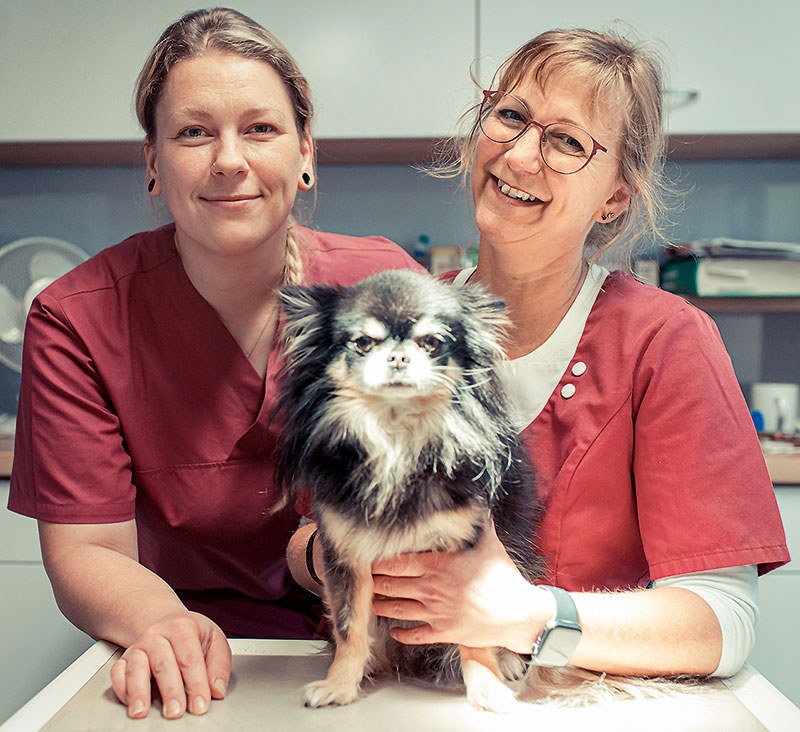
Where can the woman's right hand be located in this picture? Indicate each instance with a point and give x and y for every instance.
(189, 658)
(101, 587)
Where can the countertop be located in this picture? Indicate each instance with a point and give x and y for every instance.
(267, 676)
(6, 455)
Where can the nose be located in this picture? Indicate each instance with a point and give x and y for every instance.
(229, 157)
(398, 360)
(524, 154)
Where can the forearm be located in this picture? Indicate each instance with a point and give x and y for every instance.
(649, 632)
(109, 595)
(297, 559)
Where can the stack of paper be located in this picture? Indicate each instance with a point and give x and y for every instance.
(732, 268)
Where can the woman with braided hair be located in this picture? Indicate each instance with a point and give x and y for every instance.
(143, 444)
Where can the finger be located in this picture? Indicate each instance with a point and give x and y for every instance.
(403, 565)
(218, 664)
(133, 680)
(396, 586)
(400, 609)
(168, 678)
(192, 665)
(118, 680)
(416, 636)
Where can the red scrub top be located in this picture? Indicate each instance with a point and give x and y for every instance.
(648, 462)
(137, 403)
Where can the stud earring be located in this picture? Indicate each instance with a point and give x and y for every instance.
(607, 216)
(306, 179)
(151, 185)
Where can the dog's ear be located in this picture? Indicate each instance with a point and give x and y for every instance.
(300, 302)
(486, 318)
(307, 315)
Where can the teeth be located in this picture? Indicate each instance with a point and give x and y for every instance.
(514, 193)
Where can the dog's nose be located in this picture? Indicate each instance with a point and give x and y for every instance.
(397, 360)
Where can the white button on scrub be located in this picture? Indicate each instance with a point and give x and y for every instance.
(568, 390)
(579, 368)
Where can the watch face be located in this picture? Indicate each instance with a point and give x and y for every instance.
(556, 646)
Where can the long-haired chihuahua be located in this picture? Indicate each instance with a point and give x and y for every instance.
(394, 419)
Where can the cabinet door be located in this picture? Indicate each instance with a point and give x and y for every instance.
(741, 58)
(37, 642)
(775, 654)
(375, 69)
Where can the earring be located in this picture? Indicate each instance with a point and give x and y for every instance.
(607, 216)
(306, 179)
(151, 185)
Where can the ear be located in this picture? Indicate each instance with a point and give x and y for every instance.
(307, 315)
(616, 205)
(487, 318)
(307, 162)
(152, 174)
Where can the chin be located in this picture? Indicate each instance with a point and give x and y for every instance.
(393, 418)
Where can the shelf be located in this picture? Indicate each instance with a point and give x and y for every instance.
(386, 151)
(398, 151)
(746, 304)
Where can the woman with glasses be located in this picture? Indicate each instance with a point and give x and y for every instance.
(144, 446)
(659, 512)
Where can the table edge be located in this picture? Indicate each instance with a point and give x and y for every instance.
(765, 702)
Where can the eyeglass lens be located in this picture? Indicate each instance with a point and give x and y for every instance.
(565, 147)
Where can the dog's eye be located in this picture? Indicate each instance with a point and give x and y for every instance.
(364, 343)
(430, 344)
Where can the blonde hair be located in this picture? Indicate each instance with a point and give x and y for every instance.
(224, 30)
(620, 75)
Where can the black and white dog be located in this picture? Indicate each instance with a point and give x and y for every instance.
(394, 418)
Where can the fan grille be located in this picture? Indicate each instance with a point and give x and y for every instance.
(22, 264)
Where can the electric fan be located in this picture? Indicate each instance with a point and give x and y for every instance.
(27, 266)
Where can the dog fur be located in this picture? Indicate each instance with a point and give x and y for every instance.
(394, 419)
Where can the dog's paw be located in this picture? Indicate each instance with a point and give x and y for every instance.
(490, 695)
(327, 693)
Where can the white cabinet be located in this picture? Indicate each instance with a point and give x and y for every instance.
(777, 646)
(741, 57)
(37, 641)
(375, 69)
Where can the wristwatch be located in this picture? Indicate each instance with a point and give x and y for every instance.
(561, 633)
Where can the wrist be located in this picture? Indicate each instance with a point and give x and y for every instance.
(539, 607)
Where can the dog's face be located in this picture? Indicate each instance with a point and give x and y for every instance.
(392, 355)
(395, 335)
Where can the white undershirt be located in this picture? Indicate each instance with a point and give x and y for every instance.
(731, 592)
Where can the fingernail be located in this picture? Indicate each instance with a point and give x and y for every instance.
(219, 687)
(173, 709)
(136, 709)
(199, 705)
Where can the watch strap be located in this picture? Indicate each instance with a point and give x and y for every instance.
(561, 633)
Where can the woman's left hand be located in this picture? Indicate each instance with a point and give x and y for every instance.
(475, 597)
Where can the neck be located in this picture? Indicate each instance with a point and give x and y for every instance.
(233, 284)
(242, 289)
(538, 294)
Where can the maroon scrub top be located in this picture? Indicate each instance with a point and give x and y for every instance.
(648, 462)
(137, 403)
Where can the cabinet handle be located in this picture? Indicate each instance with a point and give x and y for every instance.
(675, 98)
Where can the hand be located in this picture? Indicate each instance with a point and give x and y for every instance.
(475, 598)
(190, 659)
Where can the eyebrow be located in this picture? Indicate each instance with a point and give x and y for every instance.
(560, 120)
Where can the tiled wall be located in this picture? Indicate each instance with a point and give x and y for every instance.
(96, 207)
